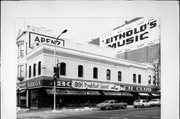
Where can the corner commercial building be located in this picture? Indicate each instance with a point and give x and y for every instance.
(136, 40)
(89, 74)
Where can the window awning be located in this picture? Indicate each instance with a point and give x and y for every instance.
(21, 91)
(117, 93)
(155, 95)
(143, 94)
(72, 92)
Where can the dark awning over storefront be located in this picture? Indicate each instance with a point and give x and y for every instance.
(143, 94)
(72, 92)
(117, 93)
(155, 95)
(21, 91)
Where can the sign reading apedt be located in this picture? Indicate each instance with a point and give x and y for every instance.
(133, 36)
(35, 38)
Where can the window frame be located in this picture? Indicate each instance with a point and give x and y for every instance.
(63, 68)
(39, 68)
(80, 70)
(29, 71)
(21, 70)
(108, 74)
(149, 79)
(34, 69)
(95, 73)
(139, 78)
(119, 76)
(134, 78)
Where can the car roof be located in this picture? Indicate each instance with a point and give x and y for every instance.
(140, 99)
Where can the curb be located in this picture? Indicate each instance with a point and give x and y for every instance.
(49, 110)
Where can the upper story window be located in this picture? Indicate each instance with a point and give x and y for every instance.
(95, 73)
(39, 68)
(134, 78)
(29, 71)
(21, 70)
(80, 71)
(139, 78)
(119, 76)
(108, 74)
(149, 80)
(18, 71)
(25, 70)
(63, 68)
(34, 70)
(21, 50)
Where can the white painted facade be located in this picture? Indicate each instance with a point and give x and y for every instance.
(74, 54)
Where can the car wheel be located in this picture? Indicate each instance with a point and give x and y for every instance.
(106, 108)
(110, 107)
(142, 106)
(124, 107)
(102, 108)
(135, 107)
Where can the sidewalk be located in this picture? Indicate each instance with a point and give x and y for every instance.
(48, 113)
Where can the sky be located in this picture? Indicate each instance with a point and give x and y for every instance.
(80, 29)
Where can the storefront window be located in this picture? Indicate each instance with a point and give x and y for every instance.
(95, 73)
(63, 69)
(134, 78)
(108, 73)
(34, 98)
(80, 71)
(119, 76)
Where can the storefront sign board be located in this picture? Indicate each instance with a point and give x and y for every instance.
(109, 86)
(32, 84)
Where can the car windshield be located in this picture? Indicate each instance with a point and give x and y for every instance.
(107, 101)
(153, 100)
(137, 101)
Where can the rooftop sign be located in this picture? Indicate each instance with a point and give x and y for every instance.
(36, 39)
(132, 36)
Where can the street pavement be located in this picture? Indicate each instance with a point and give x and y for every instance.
(92, 113)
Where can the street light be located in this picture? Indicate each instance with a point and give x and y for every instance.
(54, 109)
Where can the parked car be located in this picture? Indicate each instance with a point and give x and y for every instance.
(155, 102)
(141, 103)
(111, 104)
